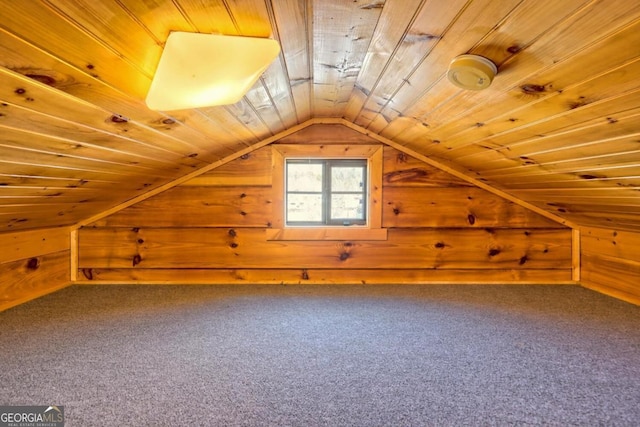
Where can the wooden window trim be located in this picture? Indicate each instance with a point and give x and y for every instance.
(372, 231)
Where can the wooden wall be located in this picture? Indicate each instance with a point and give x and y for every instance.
(214, 228)
(33, 263)
(611, 263)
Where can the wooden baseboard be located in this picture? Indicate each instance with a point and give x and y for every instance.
(15, 302)
(460, 283)
(612, 292)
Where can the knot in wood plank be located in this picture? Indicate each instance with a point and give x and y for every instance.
(137, 259)
(33, 264)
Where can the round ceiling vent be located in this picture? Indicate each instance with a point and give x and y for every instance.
(471, 72)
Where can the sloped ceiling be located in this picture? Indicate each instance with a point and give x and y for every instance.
(559, 127)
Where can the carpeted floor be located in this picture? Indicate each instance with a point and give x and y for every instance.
(325, 356)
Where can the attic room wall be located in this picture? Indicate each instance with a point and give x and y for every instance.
(611, 262)
(213, 228)
(33, 263)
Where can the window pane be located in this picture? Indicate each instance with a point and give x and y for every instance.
(347, 206)
(304, 177)
(304, 207)
(347, 178)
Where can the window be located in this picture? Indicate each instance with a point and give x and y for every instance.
(308, 204)
(326, 192)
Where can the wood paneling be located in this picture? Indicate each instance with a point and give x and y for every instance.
(342, 33)
(402, 170)
(455, 207)
(33, 263)
(431, 222)
(323, 276)
(561, 113)
(248, 248)
(438, 42)
(611, 263)
(185, 178)
(26, 279)
(199, 206)
(555, 134)
(327, 133)
(251, 169)
(293, 26)
(27, 244)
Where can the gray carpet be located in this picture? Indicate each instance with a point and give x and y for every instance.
(325, 356)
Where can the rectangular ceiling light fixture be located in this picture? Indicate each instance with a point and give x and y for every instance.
(203, 70)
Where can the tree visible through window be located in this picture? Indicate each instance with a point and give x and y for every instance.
(326, 191)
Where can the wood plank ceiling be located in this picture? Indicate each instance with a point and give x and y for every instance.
(559, 127)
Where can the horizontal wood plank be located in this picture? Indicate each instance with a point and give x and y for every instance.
(251, 169)
(198, 207)
(324, 276)
(26, 279)
(403, 170)
(594, 123)
(326, 233)
(35, 216)
(611, 262)
(612, 243)
(32, 243)
(249, 248)
(455, 207)
(328, 150)
(327, 134)
(616, 277)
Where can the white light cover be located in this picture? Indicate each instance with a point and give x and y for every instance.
(203, 70)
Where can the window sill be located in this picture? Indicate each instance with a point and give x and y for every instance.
(327, 233)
